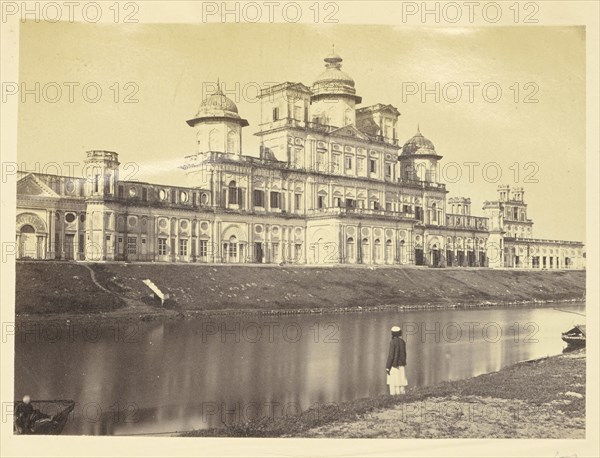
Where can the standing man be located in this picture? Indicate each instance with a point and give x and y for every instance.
(396, 361)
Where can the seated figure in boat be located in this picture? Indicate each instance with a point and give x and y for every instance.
(32, 421)
(26, 416)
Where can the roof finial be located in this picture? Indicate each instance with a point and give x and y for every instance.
(418, 129)
(333, 60)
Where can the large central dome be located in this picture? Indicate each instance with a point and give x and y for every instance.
(334, 81)
(333, 71)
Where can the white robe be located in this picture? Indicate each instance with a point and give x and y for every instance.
(397, 377)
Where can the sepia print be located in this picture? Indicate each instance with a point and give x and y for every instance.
(334, 220)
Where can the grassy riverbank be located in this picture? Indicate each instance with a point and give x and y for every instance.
(61, 289)
(543, 398)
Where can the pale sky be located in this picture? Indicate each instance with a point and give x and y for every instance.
(170, 63)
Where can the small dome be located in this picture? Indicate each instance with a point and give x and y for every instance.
(217, 106)
(418, 145)
(217, 102)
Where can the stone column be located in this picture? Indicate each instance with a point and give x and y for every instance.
(50, 241)
(39, 247)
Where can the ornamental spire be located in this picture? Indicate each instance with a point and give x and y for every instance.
(333, 59)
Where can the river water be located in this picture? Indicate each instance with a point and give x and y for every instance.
(154, 377)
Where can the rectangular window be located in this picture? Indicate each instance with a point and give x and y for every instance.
(298, 113)
(320, 201)
(360, 165)
(96, 181)
(348, 162)
(297, 157)
(372, 165)
(232, 251)
(298, 202)
(145, 194)
(203, 248)
(131, 245)
(232, 195)
(388, 206)
(240, 197)
(336, 163)
(183, 247)
(375, 205)
(406, 208)
(275, 251)
(388, 170)
(81, 245)
(297, 252)
(321, 163)
(259, 198)
(419, 213)
(120, 191)
(162, 247)
(173, 196)
(350, 203)
(275, 114)
(337, 202)
(275, 199)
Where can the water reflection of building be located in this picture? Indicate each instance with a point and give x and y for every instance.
(176, 380)
(331, 184)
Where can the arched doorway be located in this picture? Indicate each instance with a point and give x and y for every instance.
(435, 256)
(389, 257)
(377, 251)
(31, 236)
(28, 243)
(365, 249)
(350, 251)
(234, 243)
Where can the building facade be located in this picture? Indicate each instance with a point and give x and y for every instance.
(330, 185)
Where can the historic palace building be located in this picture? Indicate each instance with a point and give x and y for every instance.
(330, 184)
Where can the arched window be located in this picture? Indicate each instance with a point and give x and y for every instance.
(231, 142)
(213, 140)
(231, 249)
(347, 117)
